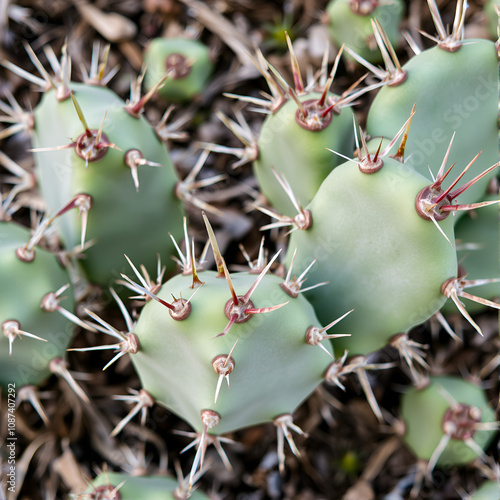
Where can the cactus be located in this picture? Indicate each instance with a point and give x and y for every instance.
(349, 22)
(186, 61)
(454, 86)
(294, 138)
(300, 153)
(196, 331)
(385, 252)
(257, 361)
(33, 309)
(369, 251)
(491, 9)
(302, 123)
(448, 422)
(476, 236)
(489, 490)
(118, 486)
(374, 259)
(110, 140)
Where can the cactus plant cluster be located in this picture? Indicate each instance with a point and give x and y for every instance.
(376, 232)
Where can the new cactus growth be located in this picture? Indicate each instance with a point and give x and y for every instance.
(34, 309)
(186, 61)
(448, 422)
(454, 86)
(98, 151)
(349, 23)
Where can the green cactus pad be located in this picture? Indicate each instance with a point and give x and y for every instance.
(275, 369)
(489, 490)
(300, 154)
(378, 255)
(492, 17)
(121, 220)
(423, 412)
(453, 92)
(348, 25)
(24, 285)
(135, 487)
(187, 59)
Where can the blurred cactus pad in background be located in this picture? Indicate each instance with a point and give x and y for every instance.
(249, 250)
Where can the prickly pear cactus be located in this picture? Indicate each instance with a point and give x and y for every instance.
(349, 22)
(293, 142)
(34, 331)
(301, 124)
(489, 490)
(104, 142)
(256, 331)
(119, 486)
(476, 236)
(491, 8)
(454, 87)
(448, 422)
(187, 62)
(206, 357)
(271, 370)
(379, 256)
(305, 121)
